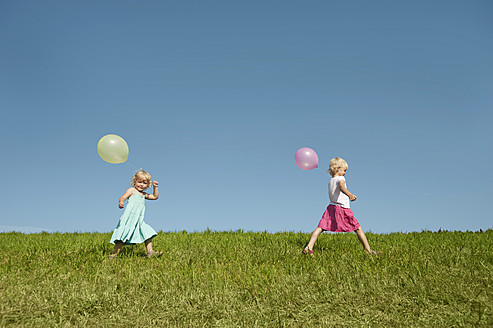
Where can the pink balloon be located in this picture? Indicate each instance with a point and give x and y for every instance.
(306, 159)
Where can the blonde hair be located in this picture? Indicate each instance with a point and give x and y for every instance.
(335, 164)
(141, 175)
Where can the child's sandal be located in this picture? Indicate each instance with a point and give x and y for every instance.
(154, 254)
(112, 256)
(308, 251)
(373, 253)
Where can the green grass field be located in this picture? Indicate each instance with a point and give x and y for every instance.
(248, 279)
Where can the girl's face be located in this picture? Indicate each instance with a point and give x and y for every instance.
(341, 172)
(141, 185)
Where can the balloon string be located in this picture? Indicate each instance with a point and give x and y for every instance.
(320, 170)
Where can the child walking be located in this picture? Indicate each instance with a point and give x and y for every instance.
(338, 216)
(131, 228)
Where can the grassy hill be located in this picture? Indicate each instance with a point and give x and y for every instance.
(248, 279)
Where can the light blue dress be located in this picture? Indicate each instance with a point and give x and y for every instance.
(131, 228)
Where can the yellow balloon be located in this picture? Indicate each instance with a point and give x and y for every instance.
(113, 149)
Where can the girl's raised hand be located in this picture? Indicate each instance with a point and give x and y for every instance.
(155, 183)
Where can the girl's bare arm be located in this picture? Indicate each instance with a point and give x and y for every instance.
(342, 186)
(124, 197)
(155, 194)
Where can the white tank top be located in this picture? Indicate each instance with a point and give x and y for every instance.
(336, 196)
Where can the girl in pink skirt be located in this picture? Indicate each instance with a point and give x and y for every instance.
(338, 217)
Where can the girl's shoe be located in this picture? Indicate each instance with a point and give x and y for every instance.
(112, 256)
(154, 254)
(308, 251)
(373, 253)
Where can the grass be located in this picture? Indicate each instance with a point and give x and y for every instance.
(248, 279)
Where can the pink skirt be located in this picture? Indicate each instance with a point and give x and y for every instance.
(338, 219)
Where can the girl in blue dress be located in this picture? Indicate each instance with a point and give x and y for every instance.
(131, 228)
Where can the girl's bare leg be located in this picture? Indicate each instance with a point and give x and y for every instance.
(150, 251)
(116, 250)
(363, 240)
(148, 244)
(314, 238)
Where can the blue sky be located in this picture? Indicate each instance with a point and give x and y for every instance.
(215, 97)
